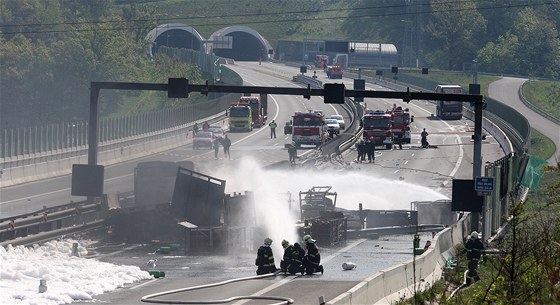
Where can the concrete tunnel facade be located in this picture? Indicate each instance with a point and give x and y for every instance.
(175, 35)
(247, 44)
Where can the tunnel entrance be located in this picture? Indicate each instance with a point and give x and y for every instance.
(175, 35)
(177, 39)
(247, 44)
(245, 47)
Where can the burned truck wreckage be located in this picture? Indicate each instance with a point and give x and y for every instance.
(173, 203)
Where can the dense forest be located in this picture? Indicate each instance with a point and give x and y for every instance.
(50, 50)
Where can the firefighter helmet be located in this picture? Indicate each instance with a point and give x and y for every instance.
(268, 241)
(285, 243)
(308, 239)
(474, 235)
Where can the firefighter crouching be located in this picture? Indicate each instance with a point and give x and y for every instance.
(475, 249)
(312, 259)
(292, 261)
(265, 258)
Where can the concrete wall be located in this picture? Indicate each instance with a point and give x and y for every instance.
(398, 282)
(118, 153)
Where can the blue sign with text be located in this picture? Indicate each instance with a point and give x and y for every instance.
(484, 184)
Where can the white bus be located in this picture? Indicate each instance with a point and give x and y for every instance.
(449, 109)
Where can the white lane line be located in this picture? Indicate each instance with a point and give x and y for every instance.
(396, 171)
(143, 284)
(57, 191)
(461, 152)
(405, 162)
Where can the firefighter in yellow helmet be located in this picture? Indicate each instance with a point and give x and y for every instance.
(475, 249)
(312, 259)
(265, 258)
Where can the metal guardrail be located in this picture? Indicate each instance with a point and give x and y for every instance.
(535, 108)
(51, 222)
(306, 80)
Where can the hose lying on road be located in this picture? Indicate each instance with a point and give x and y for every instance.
(151, 298)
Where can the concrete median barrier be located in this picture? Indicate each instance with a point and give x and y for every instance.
(399, 282)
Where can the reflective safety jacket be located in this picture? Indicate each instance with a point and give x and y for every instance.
(474, 248)
(313, 256)
(265, 257)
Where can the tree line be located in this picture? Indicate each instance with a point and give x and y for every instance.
(500, 36)
(50, 50)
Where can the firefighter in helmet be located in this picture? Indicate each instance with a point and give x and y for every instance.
(265, 258)
(292, 261)
(475, 249)
(312, 259)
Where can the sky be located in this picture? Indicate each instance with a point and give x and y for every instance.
(68, 277)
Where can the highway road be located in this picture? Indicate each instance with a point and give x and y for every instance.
(506, 90)
(397, 178)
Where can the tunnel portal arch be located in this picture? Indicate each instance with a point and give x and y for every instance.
(175, 35)
(247, 44)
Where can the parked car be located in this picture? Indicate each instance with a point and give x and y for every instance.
(332, 124)
(339, 119)
(218, 132)
(203, 139)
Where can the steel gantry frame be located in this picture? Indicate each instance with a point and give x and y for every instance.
(180, 88)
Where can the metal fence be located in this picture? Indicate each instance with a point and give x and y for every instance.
(22, 143)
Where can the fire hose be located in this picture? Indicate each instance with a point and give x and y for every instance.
(151, 298)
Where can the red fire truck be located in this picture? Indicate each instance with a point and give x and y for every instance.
(258, 109)
(401, 124)
(307, 129)
(321, 61)
(377, 124)
(334, 71)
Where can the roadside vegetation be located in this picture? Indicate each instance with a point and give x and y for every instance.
(522, 267)
(545, 95)
(462, 79)
(541, 146)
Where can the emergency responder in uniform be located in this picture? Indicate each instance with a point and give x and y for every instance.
(297, 260)
(292, 152)
(272, 126)
(424, 138)
(292, 261)
(475, 249)
(370, 150)
(265, 258)
(312, 259)
(287, 257)
(216, 146)
(226, 143)
(361, 148)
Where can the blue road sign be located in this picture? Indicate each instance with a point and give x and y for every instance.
(484, 184)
